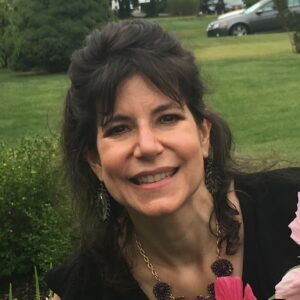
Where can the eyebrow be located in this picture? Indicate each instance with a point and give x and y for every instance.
(164, 107)
(159, 109)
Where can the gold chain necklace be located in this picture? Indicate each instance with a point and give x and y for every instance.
(163, 290)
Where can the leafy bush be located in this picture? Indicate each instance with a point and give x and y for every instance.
(36, 226)
(151, 8)
(183, 7)
(162, 6)
(49, 31)
(6, 34)
(38, 296)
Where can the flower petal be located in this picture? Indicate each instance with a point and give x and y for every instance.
(298, 205)
(248, 295)
(295, 224)
(289, 286)
(229, 288)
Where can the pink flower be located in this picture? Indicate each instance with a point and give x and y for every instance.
(289, 286)
(231, 288)
(295, 224)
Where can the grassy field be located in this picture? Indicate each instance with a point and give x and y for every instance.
(254, 81)
(30, 104)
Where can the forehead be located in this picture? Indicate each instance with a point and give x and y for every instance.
(140, 91)
(135, 89)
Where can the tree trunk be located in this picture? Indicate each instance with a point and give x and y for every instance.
(296, 40)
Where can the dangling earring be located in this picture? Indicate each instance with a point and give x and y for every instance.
(103, 203)
(212, 177)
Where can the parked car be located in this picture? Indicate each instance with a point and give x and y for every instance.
(260, 17)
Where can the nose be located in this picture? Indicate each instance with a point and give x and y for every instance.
(148, 144)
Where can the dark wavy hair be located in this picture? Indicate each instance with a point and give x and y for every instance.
(107, 58)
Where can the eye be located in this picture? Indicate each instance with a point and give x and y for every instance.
(116, 130)
(170, 118)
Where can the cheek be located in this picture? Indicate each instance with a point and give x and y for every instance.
(112, 165)
(189, 146)
(113, 158)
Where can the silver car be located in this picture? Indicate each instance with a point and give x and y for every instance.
(259, 17)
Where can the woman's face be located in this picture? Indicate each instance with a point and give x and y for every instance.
(151, 152)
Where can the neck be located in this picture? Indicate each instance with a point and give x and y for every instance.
(181, 250)
(180, 238)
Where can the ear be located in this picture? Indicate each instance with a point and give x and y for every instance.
(204, 133)
(94, 162)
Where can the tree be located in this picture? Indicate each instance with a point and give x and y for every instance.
(151, 8)
(290, 21)
(124, 9)
(294, 23)
(6, 33)
(183, 7)
(49, 31)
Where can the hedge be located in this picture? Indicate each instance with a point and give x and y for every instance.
(37, 226)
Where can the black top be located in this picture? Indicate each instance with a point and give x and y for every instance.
(268, 203)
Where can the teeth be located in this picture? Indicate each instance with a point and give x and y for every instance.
(153, 178)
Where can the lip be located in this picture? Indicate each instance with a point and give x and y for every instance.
(155, 171)
(156, 185)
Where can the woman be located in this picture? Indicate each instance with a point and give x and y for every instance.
(164, 210)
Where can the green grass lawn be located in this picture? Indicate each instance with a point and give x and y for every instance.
(30, 104)
(254, 81)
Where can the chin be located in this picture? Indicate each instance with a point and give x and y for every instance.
(159, 211)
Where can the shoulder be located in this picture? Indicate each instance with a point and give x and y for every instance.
(286, 176)
(272, 195)
(75, 278)
(268, 203)
(269, 187)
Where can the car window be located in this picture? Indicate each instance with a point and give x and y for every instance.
(268, 7)
(292, 3)
(253, 8)
(233, 2)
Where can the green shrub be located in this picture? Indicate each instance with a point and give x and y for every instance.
(183, 7)
(37, 295)
(162, 6)
(49, 31)
(6, 34)
(36, 226)
(151, 8)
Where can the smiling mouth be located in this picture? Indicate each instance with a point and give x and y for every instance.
(147, 179)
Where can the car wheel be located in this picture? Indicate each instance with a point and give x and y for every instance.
(239, 30)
